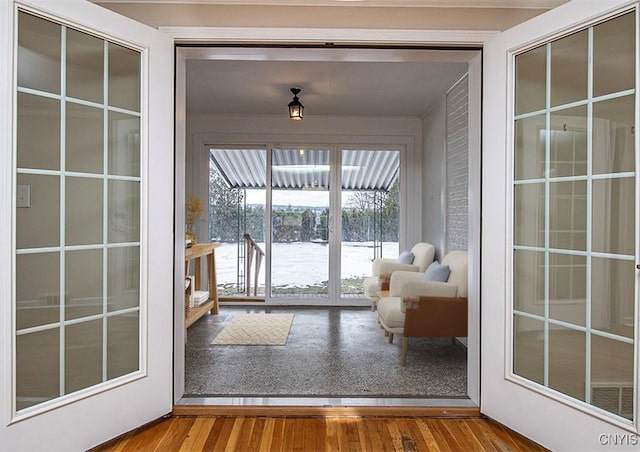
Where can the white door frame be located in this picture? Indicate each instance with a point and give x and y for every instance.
(404, 144)
(449, 38)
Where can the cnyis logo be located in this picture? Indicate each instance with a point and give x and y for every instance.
(619, 439)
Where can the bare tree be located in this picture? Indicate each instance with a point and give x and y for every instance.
(362, 200)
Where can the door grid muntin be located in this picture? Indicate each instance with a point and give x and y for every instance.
(535, 248)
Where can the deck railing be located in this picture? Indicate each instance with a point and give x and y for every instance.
(252, 250)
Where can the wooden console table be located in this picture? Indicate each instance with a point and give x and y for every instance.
(196, 253)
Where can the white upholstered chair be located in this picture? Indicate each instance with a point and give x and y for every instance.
(382, 268)
(419, 308)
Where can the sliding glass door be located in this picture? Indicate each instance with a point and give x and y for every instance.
(237, 217)
(370, 205)
(300, 184)
(318, 215)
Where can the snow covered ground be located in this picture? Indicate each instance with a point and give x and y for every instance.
(301, 264)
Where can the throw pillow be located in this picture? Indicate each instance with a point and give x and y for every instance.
(406, 257)
(437, 272)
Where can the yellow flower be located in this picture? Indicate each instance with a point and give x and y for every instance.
(193, 209)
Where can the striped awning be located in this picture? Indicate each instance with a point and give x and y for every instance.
(306, 168)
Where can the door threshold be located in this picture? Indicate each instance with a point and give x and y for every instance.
(326, 406)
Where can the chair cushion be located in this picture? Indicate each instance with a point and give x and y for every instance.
(437, 272)
(371, 286)
(424, 254)
(399, 279)
(390, 312)
(378, 265)
(457, 261)
(406, 257)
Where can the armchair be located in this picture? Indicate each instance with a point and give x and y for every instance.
(382, 268)
(419, 308)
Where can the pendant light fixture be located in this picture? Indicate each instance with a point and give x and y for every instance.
(296, 109)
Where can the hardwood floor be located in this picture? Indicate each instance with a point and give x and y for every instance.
(310, 434)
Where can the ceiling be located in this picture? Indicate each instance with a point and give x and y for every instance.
(334, 82)
(379, 3)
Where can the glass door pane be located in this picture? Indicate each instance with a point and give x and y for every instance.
(77, 216)
(370, 204)
(237, 219)
(300, 223)
(575, 220)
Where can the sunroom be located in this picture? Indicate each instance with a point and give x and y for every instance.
(363, 175)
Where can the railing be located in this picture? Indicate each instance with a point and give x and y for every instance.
(252, 249)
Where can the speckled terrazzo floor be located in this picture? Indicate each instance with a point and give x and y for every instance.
(330, 352)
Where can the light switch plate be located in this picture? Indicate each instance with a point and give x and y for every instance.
(23, 196)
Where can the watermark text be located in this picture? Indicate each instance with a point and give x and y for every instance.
(619, 439)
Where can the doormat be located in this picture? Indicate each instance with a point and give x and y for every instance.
(256, 329)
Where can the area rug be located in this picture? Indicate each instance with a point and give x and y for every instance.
(256, 329)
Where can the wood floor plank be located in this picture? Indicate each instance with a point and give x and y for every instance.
(288, 435)
(278, 435)
(427, 435)
(396, 437)
(313, 435)
(220, 434)
(317, 434)
(385, 436)
(445, 443)
(413, 431)
(365, 442)
(176, 434)
(245, 434)
(344, 435)
(343, 438)
(332, 440)
(297, 436)
(149, 437)
(351, 435)
(466, 431)
(464, 442)
(234, 435)
(497, 439)
(267, 435)
(198, 434)
(214, 433)
(371, 427)
(412, 435)
(480, 430)
(256, 434)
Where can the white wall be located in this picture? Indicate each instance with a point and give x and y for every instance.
(376, 132)
(434, 147)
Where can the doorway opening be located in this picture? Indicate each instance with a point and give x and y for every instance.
(403, 124)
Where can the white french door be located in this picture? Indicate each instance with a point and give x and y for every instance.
(86, 151)
(560, 227)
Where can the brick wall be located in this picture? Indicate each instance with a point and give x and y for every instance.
(457, 167)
